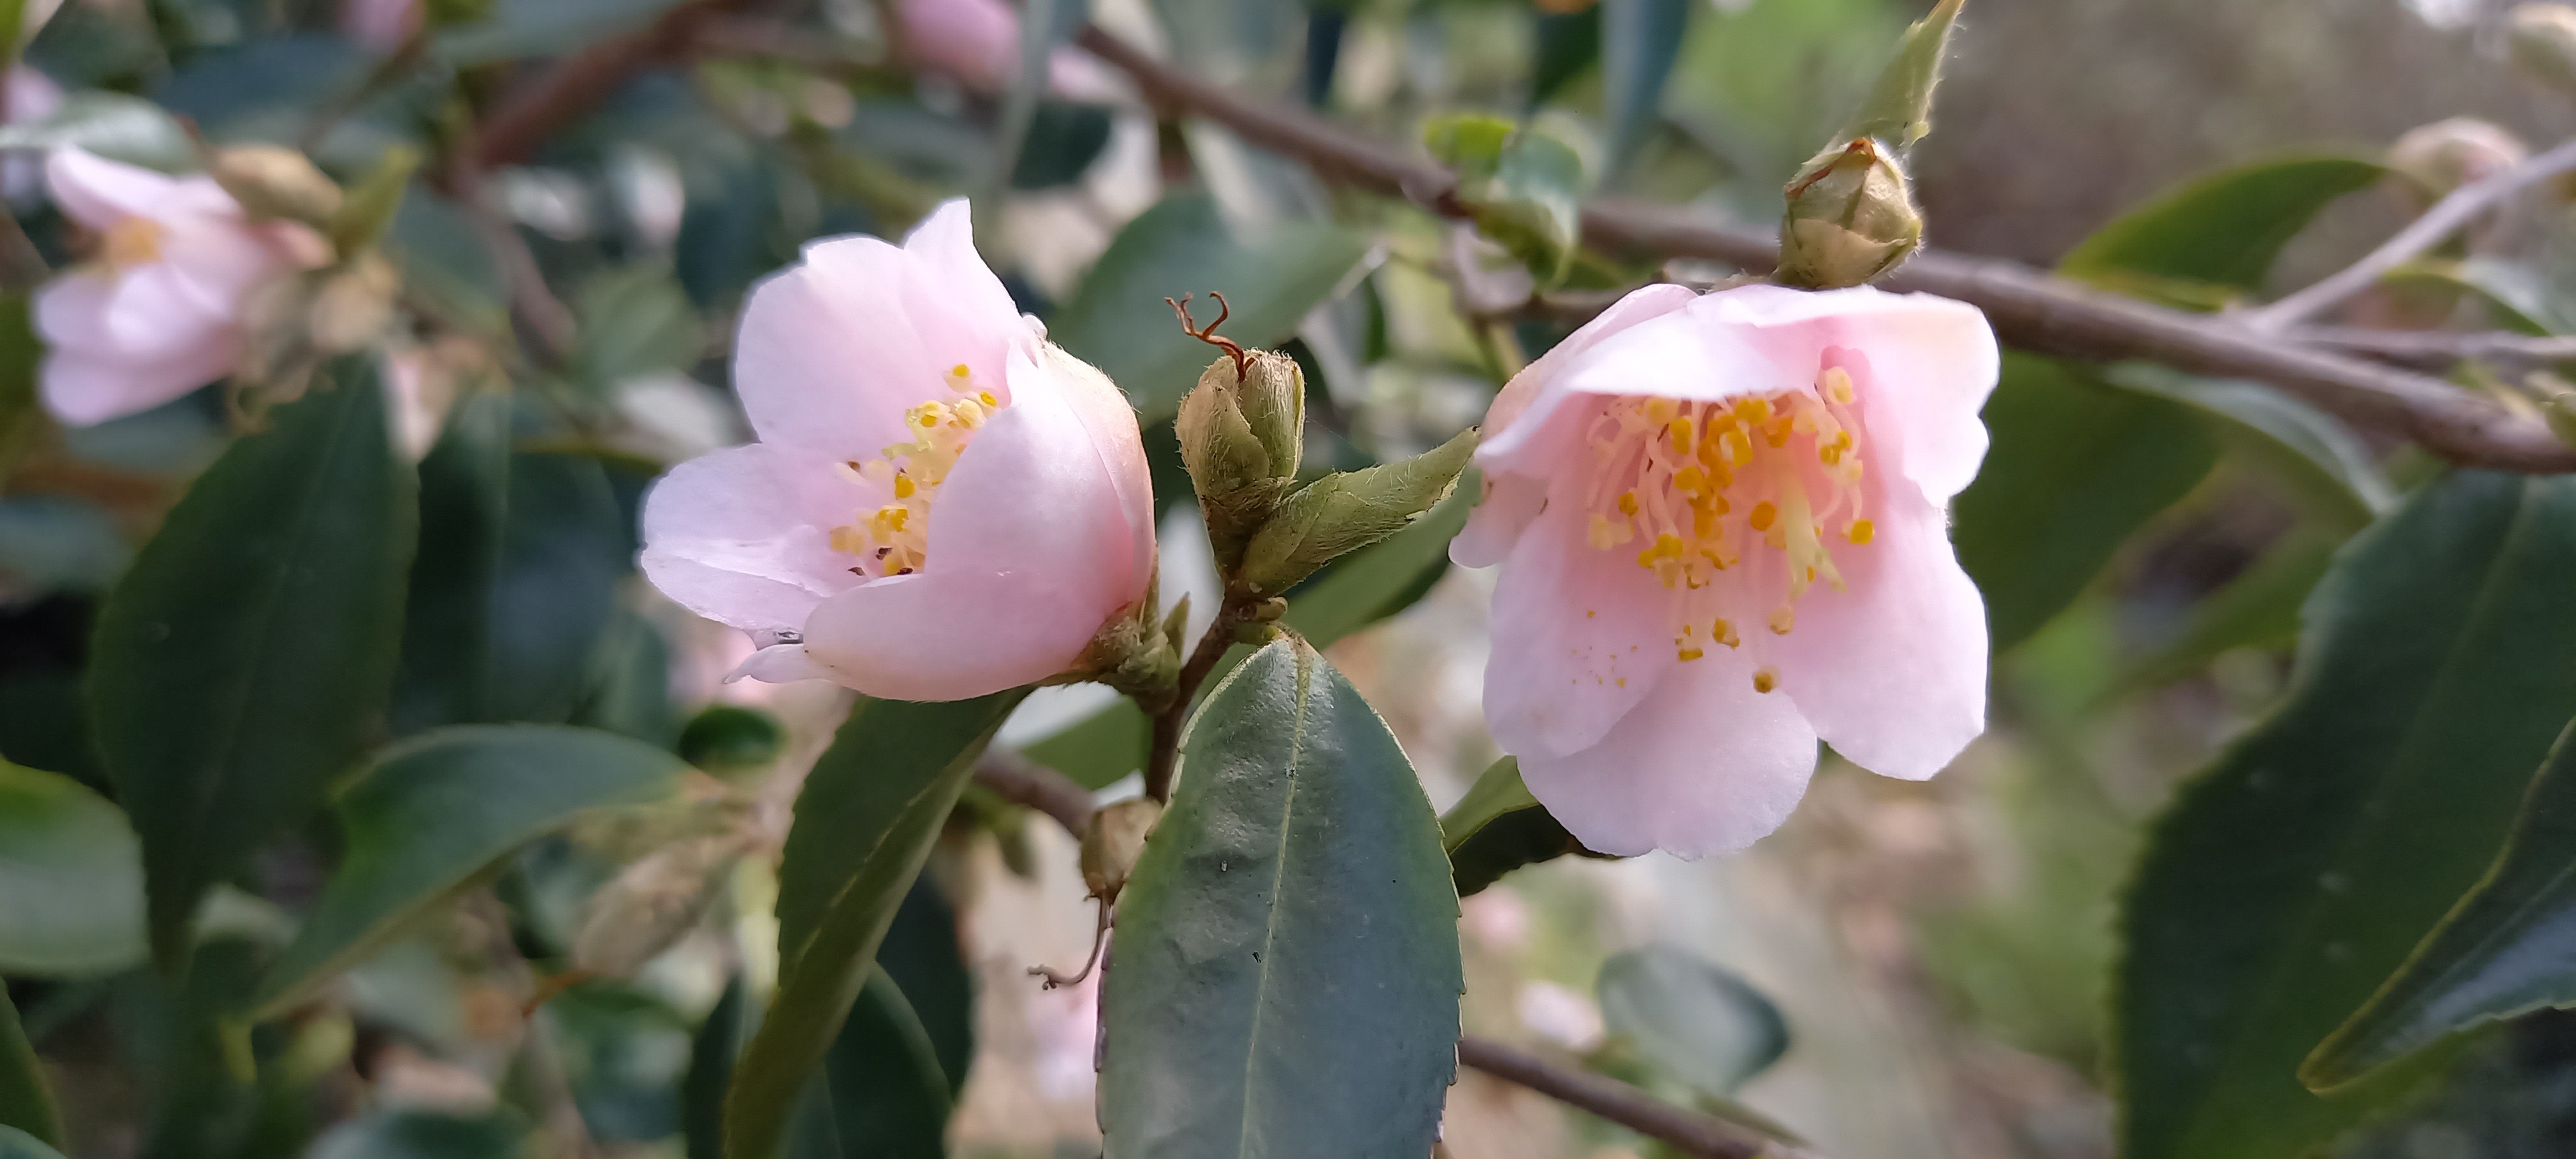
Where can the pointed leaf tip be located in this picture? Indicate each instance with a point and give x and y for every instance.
(1899, 108)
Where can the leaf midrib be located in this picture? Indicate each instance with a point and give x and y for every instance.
(1278, 878)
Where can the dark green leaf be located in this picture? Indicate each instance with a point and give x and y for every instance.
(1499, 827)
(1533, 203)
(516, 582)
(25, 1103)
(864, 825)
(420, 1135)
(2504, 950)
(2075, 468)
(2318, 459)
(1289, 941)
(2294, 876)
(711, 1057)
(1568, 44)
(726, 738)
(244, 661)
(2258, 609)
(921, 954)
(635, 321)
(521, 28)
(1065, 137)
(1116, 319)
(434, 811)
(112, 125)
(1898, 109)
(1694, 1021)
(1100, 748)
(2516, 296)
(2213, 239)
(882, 1094)
(1640, 40)
(17, 1144)
(447, 268)
(71, 878)
(21, 416)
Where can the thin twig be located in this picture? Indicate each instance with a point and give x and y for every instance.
(2448, 216)
(1022, 781)
(1691, 1133)
(2028, 309)
(2441, 349)
(571, 89)
(1165, 751)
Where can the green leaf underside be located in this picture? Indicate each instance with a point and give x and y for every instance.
(25, 1104)
(1641, 40)
(2075, 468)
(1116, 319)
(2290, 879)
(864, 825)
(1497, 827)
(429, 814)
(1898, 109)
(2507, 948)
(1285, 977)
(71, 878)
(18, 1144)
(245, 659)
(1692, 1020)
(2216, 237)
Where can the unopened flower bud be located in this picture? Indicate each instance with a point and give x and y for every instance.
(276, 183)
(1242, 432)
(2437, 158)
(1116, 839)
(2542, 41)
(1851, 218)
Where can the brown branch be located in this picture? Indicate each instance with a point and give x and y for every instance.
(1690, 1132)
(2441, 349)
(2448, 216)
(2028, 309)
(1021, 781)
(572, 88)
(1163, 755)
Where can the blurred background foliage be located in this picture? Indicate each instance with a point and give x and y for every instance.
(1906, 970)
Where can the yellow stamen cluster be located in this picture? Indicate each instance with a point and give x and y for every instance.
(894, 538)
(1701, 487)
(132, 242)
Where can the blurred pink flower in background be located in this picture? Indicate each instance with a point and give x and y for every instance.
(1722, 525)
(33, 98)
(379, 25)
(942, 504)
(977, 42)
(156, 312)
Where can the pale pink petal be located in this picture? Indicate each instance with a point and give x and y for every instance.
(1510, 503)
(975, 41)
(1029, 553)
(1637, 306)
(1110, 421)
(147, 315)
(81, 389)
(216, 262)
(1580, 637)
(1931, 363)
(1705, 765)
(743, 536)
(1892, 671)
(99, 193)
(1676, 354)
(832, 351)
(379, 25)
(33, 96)
(778, 664)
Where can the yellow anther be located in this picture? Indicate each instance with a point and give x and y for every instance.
(986, 397)
(1777, 434)
(1783, 618)
(1660, 411)
(1688, 654)
(1843, 439)
(1739, 450)
(1860, 531)
(848, 539)
(1838, 385)
(1829, 454)
(1724, 633)
(1627, 503)
(961, 370)
(1763, 514)
(1753, 411)
(1766, 678)
(1683, 433)
(1704, 521)
(904, 487)
(1691, 481)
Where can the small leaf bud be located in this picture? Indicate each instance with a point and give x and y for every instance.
(276, 183)
(2541, 38)
(1242, 433)
(1851, 218)
(2437, 158)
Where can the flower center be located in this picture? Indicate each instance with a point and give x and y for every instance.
(894, 539)
(132, 242)
(1750, 488)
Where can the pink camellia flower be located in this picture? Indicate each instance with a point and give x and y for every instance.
(942, 504)
(379, 25)
(1722, 525)
(157, 312)
(978, 43)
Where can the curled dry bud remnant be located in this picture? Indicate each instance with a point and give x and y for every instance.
(1722, 525)
(942, 504)
(158, 310)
